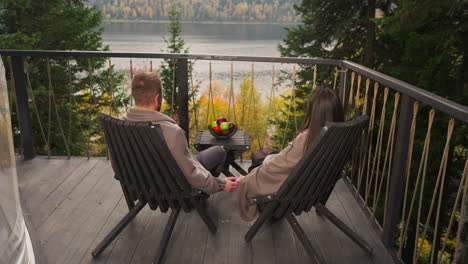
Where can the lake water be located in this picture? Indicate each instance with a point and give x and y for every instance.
(213, 39)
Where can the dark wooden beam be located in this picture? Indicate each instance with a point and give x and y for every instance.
(341, 91)
(23, 107)
(62, 53)
(182, 95)
(397, 180)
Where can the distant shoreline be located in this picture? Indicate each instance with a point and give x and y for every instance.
(197, 22)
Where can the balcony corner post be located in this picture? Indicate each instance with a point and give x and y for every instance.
(23, 107)
(183, 96)
(397, 180)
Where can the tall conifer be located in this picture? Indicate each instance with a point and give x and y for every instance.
(168, 71)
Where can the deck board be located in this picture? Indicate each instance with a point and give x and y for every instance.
(130, 238)
(75, 203)
(147, 247)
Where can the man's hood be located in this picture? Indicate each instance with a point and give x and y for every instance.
(139, 114)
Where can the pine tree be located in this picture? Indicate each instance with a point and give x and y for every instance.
(63, 25)
(425, 45)
(329, 29)
(168, 71)
(341, 29)
(420, 42)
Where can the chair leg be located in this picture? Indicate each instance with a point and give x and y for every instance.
(343, 227)
(128, 199)
(201, 209)
(117, 229)
(313, 254)
(166, 236)
(264, 216)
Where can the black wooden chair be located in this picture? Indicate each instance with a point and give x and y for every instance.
(148, 174)
(311, 183)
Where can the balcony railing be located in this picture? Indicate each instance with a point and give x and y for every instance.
(391, 170)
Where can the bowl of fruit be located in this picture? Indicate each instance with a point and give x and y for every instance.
(222, 129)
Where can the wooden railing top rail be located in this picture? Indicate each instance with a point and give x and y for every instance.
(444, 105)
(156, 55)
(451, 108)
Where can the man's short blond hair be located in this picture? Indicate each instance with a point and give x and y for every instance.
(145, 86)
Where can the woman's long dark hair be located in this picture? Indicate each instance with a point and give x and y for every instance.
(322, 105)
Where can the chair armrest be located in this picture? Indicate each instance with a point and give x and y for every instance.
(195, 192)
(199, 194)
(264, 199)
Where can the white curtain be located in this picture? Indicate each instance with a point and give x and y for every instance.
(15, 243)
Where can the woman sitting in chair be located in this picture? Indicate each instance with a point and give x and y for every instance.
(269, 170)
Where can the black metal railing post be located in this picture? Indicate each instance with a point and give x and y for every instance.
(23, 108)
(397, 180)
(182, 95)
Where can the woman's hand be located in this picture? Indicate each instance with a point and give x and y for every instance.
(267, 142)
(239, 179)
(231, 184)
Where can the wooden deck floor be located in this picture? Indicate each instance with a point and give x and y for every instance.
(74, 203)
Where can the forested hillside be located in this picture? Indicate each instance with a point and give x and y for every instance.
(201, 10)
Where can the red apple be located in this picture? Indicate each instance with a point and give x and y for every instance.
(225, 132)
(216, 129)
(231, 126)
(221, 120)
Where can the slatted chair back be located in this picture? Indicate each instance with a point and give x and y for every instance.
(144, 165)
(314, 177)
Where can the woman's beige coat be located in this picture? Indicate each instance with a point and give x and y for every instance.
(267, 178)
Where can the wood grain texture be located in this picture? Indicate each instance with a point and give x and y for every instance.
(83, 203)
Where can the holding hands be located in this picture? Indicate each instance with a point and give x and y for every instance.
(239, 179)
(232, 183)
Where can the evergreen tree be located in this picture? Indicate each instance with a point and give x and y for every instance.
(424, 43)
(82, 87)
(168, 71)
(341, 29)
(420, 42)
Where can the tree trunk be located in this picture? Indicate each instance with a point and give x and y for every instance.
(13, 11)
(368, 53)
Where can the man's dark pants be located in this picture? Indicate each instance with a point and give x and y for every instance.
(213, 159)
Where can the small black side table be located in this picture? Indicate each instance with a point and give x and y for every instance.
(234, 146)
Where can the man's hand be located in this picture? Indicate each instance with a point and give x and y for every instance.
(231, 184)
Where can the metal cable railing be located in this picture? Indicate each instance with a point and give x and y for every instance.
(425, 224)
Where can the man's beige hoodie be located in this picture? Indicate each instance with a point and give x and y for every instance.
(196, 174)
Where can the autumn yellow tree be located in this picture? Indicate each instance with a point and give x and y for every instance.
(251, 111)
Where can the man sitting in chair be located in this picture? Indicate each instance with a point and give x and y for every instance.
(201, 171)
